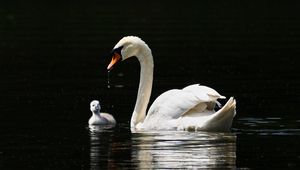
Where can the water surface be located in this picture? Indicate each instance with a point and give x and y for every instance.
(77, 146)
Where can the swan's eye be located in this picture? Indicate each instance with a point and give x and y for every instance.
(117, 50)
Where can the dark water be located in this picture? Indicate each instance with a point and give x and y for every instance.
(53, 60)
(253, 143)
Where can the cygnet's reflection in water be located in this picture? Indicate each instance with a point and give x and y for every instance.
(172, 150)
(94, 129)
(100, 137)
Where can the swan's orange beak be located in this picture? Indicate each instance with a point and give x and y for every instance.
(115, 58)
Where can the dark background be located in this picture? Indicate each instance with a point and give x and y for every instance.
(53, 59)
(54, 55)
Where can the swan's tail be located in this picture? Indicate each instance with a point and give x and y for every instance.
(222, 119)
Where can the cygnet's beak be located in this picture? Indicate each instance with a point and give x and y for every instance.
(115, 59)
(95, 109)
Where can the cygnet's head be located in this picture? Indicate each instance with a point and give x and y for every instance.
(95, 106)
(127, 47)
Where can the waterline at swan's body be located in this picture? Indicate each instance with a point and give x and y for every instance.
(191, 108)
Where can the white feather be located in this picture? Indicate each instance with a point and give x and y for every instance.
(99, 118)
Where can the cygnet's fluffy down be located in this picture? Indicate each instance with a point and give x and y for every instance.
(100, 118)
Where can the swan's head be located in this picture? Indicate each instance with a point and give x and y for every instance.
(95, 106)
(127, 47)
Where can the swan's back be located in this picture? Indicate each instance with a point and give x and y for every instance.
(191, 107)
(210, 120)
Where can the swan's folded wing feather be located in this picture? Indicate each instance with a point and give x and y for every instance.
(174, 103)
(200, 91)
(171, 104)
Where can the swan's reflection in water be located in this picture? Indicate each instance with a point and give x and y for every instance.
(184, 150)
(166, 150)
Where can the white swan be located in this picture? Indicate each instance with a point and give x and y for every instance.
(100, 118)
(191, 108)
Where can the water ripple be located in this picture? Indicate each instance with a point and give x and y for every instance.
(178, 150)
(267, 126)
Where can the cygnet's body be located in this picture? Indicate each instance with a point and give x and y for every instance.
(100, 118)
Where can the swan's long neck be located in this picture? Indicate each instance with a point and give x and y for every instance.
(146, 77)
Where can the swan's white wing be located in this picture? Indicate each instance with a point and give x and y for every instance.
(199, 90)
(175, 103)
